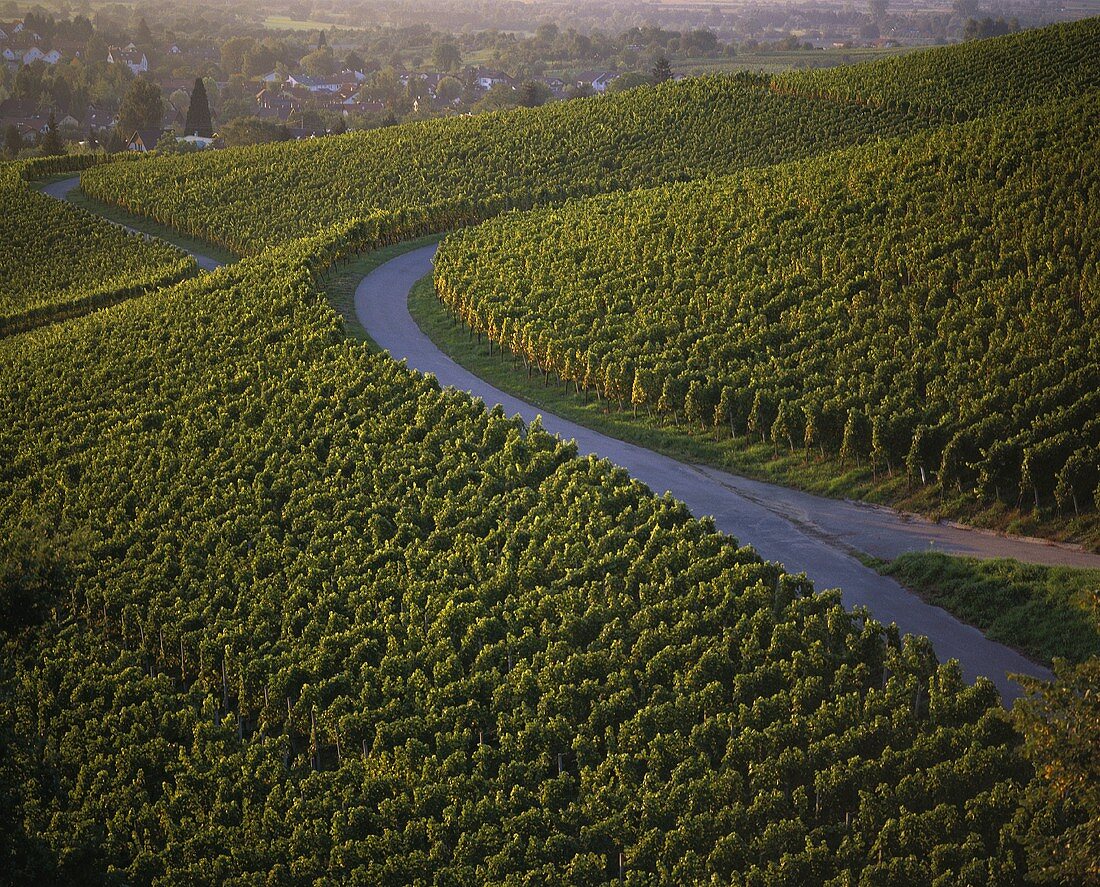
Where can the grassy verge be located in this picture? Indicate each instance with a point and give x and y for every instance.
(1043, 612)
(822, 475)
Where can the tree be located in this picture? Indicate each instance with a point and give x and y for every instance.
(639, 391)
(693, 403)
(198, 113)
(252, 131)
(322, 41)
(532, 94)
(13, 141)
(723, 411)
(629, 80)
(144, 35)
(319, 63)
(1060, 722)
(51, 143)
(116, 142)
(142, 107)
(662, 70)
(446, 56)
(448, 90)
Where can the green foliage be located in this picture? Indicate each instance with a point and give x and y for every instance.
(58, 259)
(334, 623)
(1046, 611)
(198, 112)
(464, 169)
(142, 107)
(946, 282)
(1060, 816)
(960, 82)
(329, 623)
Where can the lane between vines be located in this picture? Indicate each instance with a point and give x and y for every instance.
(802, 531)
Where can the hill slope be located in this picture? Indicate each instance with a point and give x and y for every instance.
(929, 304)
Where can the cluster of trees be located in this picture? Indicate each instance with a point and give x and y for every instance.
(289, 611)
(59, 259)
(464, 169)
(960, 82)
(927, 305)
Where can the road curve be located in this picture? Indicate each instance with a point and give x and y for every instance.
(60, 189)
(803, 532)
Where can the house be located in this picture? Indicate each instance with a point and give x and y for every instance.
(597, 81)
(99, 121)
(174, 49)
(486, 79)
(34, 54)
(272, 77)
(133, 59)
(197, 141)
(310, 84)
(143, 140)
(9, 55)
(556, 85)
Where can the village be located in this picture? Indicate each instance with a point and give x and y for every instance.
(132, 97)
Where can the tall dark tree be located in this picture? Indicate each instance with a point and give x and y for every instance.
(144, 35)
(662, 70)
(51, 143)
(322, 41)
(13, 141)
(199, 122)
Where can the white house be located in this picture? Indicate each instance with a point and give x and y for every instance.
(313, 84)
(598, 81)
(486, 79)
(272, 77)
(34, 54)
(9, 55)
(135, 60)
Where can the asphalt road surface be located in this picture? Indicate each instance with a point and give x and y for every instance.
(801, 531)
(804, 532)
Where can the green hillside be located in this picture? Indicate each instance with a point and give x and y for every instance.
(930, 305)
(275, 610)
(58, 260)
(298, 614)
(971, 80)
(454, 171)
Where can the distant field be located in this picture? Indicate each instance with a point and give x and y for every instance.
(286, 23)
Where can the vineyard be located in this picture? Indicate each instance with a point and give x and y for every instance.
(960, 82)
(452, 172)
(300, 612)
(58, 260)
(274, 609)
(929, 306)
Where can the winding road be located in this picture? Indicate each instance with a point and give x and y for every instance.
(802, 531)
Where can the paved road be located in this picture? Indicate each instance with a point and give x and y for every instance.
(801, 531)
(61, 188)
